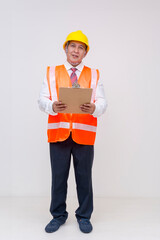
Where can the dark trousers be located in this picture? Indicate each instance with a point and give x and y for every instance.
(60, 154)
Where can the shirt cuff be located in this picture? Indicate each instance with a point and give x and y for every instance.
(51, 112)
(95, 113)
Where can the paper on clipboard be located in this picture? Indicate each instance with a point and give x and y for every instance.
(74, 97)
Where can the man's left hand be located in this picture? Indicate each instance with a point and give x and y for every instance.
(88, 108)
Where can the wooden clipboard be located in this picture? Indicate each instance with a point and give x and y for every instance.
(74, 97)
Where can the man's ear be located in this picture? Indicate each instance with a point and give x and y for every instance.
(85, 53)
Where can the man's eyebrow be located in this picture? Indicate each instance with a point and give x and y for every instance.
(82, 45)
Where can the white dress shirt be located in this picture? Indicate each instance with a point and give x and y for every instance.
(45, 104)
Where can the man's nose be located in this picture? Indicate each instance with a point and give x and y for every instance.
(76, 49)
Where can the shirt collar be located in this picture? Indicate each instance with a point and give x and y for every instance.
(69, 66)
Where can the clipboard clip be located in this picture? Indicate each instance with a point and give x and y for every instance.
(76, 85)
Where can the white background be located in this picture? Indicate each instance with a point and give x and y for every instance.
(124, 37)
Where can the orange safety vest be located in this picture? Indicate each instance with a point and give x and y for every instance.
(82, 126)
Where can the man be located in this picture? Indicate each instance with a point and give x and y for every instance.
(72, 134)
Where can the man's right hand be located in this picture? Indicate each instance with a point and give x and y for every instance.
(58, 106)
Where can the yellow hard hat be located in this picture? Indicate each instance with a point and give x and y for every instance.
(77, 36)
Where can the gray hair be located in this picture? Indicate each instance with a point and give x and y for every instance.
(66, 47)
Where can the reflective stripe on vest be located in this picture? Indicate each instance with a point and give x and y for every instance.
(52, 83)
(79, 126)
(58, 125)
(93, 83)
(84, 127)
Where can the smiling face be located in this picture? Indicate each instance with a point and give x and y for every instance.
(75, 52)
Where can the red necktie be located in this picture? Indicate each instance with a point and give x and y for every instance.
(73, 76)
